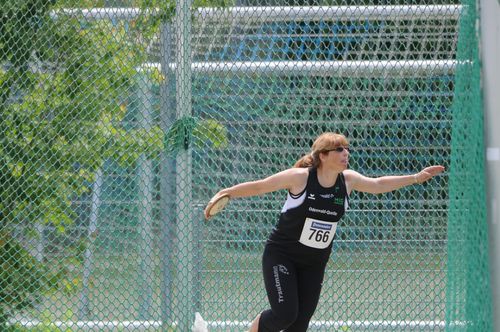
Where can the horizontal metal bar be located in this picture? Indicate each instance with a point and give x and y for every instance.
(273, 14)
(146, 325)
(322, 68)
(282, 13)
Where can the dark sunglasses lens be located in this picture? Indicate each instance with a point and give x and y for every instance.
(341, 149)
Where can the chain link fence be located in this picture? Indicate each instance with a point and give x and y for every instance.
(119, 121)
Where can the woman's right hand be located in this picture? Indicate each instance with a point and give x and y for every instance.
(210, 203)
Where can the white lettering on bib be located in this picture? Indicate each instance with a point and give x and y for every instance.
(317, 234)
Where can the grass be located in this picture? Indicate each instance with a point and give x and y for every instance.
(362, 285)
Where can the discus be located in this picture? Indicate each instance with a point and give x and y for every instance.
(217, 205)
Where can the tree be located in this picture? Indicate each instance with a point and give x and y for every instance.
(63, 88)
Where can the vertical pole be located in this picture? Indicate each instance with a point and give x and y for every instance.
(40, 244)
(89, 251)
(145, 201)
(185, 224)
(167, 179)
(490, 50)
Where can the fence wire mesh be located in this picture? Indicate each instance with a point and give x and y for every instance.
(119, 120)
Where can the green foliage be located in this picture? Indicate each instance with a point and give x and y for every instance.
(63, 86)
(191, 132)
(21, 277)
(61, 92)
(53, 92)
(213, 3)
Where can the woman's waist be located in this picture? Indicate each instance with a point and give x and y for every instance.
(296, 250)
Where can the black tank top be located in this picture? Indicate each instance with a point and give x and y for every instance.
(308, 220)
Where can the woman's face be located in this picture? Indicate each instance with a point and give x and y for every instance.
(336, 158)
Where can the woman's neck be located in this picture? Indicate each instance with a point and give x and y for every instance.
(327, 177)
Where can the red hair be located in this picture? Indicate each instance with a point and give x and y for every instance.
(324, 142)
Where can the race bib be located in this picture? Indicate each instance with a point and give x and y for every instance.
(317, 234)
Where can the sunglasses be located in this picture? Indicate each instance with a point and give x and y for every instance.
(339, 149)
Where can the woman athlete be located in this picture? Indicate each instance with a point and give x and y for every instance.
(297, 251)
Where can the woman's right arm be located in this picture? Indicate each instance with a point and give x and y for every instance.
(293, 179)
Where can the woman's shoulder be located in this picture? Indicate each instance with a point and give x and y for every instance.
(300, 171)
(349, 174)
(298, 178)
(350, 177)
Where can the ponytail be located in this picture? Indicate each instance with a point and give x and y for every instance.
(308, 160)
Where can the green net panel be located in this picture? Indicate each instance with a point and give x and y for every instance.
(118, 123)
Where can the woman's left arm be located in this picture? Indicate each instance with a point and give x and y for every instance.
(359, 182)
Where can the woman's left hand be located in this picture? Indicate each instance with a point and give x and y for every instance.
(428, 172)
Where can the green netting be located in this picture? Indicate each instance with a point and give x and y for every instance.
(468, 280)
(118, 124)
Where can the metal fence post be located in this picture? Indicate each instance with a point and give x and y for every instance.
(490, 48)
(185, 214)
